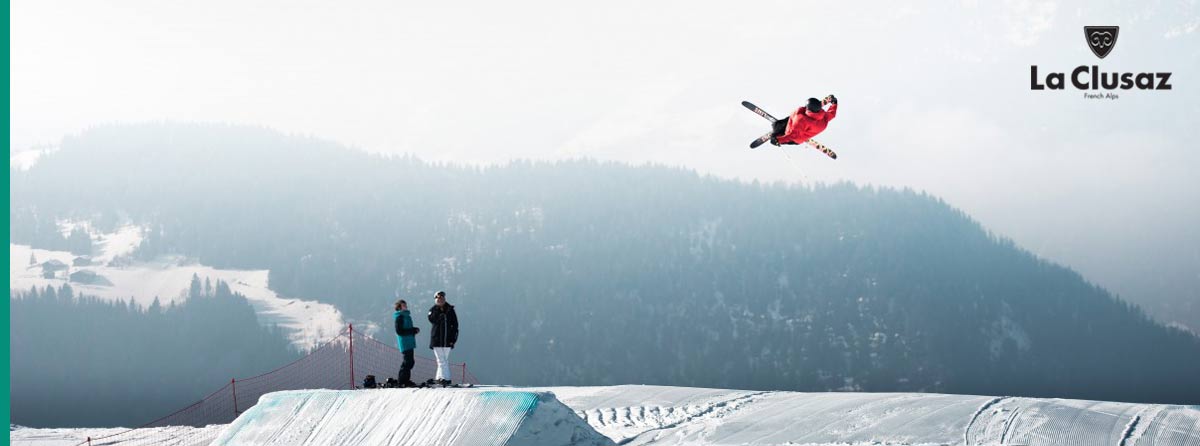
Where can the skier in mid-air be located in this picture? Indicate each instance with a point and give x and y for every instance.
(806, 122)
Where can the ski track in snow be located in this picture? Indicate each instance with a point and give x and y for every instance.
(657, 419)
(975, 416)
(1127, 436)
(1008, 424)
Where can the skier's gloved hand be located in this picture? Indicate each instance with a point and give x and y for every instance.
(831, 99)
(416, 330)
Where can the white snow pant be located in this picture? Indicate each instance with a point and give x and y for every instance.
(443, 359)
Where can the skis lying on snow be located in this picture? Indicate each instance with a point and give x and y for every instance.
(767, 137)
(453, 386)
(392, 383)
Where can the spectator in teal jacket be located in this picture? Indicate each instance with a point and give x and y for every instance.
(406, 338)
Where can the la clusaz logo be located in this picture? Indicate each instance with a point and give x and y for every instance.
(1091, 79)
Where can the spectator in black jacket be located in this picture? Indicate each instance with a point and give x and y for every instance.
(443, 336)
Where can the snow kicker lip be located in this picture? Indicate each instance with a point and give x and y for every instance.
(409, 416)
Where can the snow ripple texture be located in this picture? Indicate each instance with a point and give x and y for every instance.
(654, 415)
(409, 417)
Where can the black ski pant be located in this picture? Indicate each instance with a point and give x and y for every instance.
(406, 366)
(779, 127)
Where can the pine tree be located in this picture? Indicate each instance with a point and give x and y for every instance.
(194, 290)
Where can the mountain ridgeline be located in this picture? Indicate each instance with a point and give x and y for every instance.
(582, 272)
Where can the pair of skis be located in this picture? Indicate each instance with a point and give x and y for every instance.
(767, 137)
(432, 384)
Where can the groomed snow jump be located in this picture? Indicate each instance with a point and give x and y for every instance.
(409, 417)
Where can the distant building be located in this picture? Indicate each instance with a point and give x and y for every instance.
(89, 277)
(50, 268)
(82, 261)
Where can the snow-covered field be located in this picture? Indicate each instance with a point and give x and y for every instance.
(307, 323)
(25, 159)
(655, 415)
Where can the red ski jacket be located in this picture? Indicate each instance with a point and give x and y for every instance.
(803, 125)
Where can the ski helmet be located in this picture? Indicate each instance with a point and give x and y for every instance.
(814, 105)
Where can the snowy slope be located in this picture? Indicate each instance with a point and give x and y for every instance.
(655, 415)
(307, 323)
(674, 415)
(26, 159)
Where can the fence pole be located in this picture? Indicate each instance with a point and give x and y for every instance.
(352, 356)
(464, 378)
(233, 382)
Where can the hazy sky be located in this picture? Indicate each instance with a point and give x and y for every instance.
(934, 96)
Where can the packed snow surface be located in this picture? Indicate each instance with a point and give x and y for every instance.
(160, 436)
(678, 415)
(409, 417)
(656, 415)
